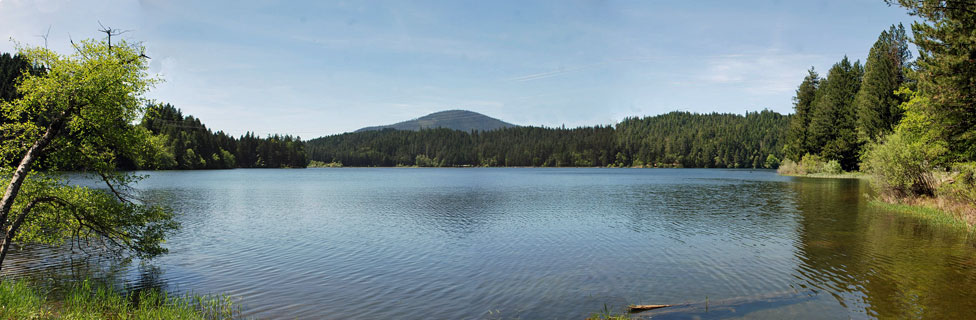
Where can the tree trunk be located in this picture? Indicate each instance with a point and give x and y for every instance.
(13, 188)
(11, 230)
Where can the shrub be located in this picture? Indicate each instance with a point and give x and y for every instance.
(772, 162)
(811, 163)
(789, 167)
(832, 167)
(899, 166)
(961, 185)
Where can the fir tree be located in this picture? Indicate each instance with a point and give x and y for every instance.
(884, 72)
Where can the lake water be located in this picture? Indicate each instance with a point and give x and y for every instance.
(398, 243)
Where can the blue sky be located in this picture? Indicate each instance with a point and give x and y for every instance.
(314, 68)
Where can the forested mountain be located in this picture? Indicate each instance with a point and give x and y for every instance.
(183, 142)
(677, 139)
(451, 119)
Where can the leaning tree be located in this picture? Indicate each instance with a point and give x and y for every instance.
(78, 113)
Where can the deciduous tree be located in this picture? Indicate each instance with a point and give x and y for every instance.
(78, 112)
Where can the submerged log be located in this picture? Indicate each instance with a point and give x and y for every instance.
(645, 307)
(732, 306)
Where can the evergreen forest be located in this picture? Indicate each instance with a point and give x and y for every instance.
(676, 139)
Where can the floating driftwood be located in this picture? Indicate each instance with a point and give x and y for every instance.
(645, 307)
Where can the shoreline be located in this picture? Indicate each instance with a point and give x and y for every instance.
(932, 209)
(845, 175)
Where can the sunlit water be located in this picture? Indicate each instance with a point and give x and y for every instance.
(542, 244)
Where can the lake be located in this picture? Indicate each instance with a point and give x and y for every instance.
(501, 243)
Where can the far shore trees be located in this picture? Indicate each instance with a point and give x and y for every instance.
(78, 112)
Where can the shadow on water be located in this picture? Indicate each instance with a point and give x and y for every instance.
(57, 268)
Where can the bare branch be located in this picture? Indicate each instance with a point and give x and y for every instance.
(45, 35)
(109, 32)
(121, 196)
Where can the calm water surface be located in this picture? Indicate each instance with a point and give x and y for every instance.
(543, 244)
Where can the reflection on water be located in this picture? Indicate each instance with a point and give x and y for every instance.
(878, 263)
(539, 243)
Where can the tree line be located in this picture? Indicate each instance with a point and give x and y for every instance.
(676, 139)
(172, 140)
(180, 141)
(910, 124)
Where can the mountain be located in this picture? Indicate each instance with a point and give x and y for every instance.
(462, 120)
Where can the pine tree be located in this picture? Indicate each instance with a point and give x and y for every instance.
(947, 71)
(884, 72)
(832, 124)
(797, 144)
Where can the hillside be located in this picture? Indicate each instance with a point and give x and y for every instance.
(462, 120)
(676, 139)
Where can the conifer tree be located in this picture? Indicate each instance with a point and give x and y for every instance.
(832, 124)
(884, 72)
(797, 144)
(947, 71)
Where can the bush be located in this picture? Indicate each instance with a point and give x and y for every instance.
(772, 162)
(832, 167)
(321, 164)
(811, 164)
(961, 185)
(789, 167)
(899, 166)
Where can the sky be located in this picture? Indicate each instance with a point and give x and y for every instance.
(315, 68)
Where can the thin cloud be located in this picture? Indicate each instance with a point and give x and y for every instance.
(577, 68)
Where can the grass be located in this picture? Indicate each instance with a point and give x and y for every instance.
(845, 175)
(927, 210)
(608, 314)
(88, 300)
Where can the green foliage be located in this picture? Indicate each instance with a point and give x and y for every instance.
(87, 300)
(230, 161)
(877, 105)
(677, 139)
(424, 161)
(12, 67)
(683, 139)
(155, 154)
(90, 216)
(772, 162)
(811, 164)
(320, 164)
(832, 124)
(918, 126)
(946, 40)
(926, 212)
(832, 167)
(961, 185)
(19, 301)
(92, 91)
(193, 146)
(797, 137)
(899, 166)
(78, 113)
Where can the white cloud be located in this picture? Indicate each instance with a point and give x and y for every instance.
(760, 73)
